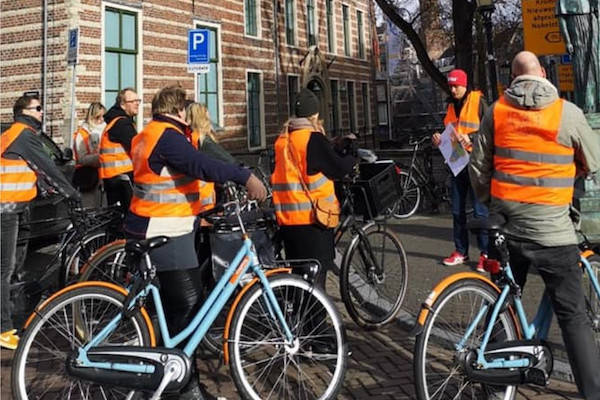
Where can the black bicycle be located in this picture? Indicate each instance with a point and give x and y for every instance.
(417, 180)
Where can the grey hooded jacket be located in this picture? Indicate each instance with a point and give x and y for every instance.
(544, 224)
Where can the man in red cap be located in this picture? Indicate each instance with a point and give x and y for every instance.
(465, 110)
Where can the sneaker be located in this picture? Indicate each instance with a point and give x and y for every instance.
(455, 259)
(481, 263)
(9, 339)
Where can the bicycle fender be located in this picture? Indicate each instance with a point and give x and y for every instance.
(426, 307)
(108, 285)
(236, 302)
(86, 265)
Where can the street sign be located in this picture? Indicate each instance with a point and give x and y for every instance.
(73, 46)
(541, 33)
(566, 81)
(199, 68)
(198, 40)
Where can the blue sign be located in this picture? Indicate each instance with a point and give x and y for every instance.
(73, 46)
(565, 59)
(198, 40)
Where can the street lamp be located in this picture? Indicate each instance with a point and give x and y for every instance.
(486, 9)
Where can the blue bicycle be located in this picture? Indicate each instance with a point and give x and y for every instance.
(95, 340)
(474, 340)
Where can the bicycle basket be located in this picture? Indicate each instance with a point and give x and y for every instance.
(376, 189)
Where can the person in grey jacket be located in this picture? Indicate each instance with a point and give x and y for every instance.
(523, 157)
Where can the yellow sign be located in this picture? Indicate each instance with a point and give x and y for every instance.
(541, 33)
(566, 81)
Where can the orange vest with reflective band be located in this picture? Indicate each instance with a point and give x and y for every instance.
(208, 195)
(468, 120)
(292, 205)
(85, 135)
(17, 179)
(170, 194)
(114, 160)
(530, 166)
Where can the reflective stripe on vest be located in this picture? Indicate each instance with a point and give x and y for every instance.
(291, 203)
(113, 158)
(468, 120)
(170, 194)
(17, 179)
(530, 166)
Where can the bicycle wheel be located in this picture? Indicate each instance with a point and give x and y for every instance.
(408, 202)
(592, 301)
(80, 253)
(373, 298)
(438, 366)
(61, 328)
(108, 264)
(264, 367)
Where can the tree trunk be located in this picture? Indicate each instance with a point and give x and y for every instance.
(462, 17)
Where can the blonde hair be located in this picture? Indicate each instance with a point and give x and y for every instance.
(198, 118)
(93, 111)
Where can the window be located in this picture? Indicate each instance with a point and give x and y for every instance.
(330, 26)
(366, 103)
(311, 30)
(351, 106)
(255, 110)
(120, 52)
(208, 85)
(382, 106)
(290, 22)
(346, 19)
(334, 117)
(292, 92)
(361, 39)
(251, 16)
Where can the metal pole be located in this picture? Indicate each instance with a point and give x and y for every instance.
(44, 67)
(487, 17)
(73, 126)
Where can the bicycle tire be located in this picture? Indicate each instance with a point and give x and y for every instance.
(52, 328)
(435, 353)
(254, 334)
(592, 301)
(108, 264)
(81, 253)
(410, 199)
(374, 300)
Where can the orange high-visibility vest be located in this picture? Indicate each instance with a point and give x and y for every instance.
(17, 179)
(292, 205)
(168, 194)
(114, 160)
(207, 189)
(85, 136)
(468, 121)
(530, 166)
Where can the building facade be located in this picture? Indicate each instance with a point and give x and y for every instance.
(326, 45)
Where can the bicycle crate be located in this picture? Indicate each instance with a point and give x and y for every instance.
(376, 189)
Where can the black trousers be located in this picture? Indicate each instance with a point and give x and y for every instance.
(118, 189)
(559, 268)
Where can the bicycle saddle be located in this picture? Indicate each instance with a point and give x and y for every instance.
(494, 222)
(144, 246)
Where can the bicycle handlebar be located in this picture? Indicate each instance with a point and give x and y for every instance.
(421, 140)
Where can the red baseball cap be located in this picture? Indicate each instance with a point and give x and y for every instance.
(457, 77)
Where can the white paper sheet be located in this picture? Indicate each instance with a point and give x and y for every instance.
(454, 154)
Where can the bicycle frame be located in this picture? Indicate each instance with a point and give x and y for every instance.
(245, 260)
(538, 328)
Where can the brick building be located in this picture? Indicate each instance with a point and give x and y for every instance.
(254, 75)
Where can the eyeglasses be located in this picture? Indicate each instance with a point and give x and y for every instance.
(36, 108)
(133, 101)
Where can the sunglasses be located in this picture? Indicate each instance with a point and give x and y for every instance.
(36, 108)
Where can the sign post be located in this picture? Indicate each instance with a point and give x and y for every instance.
(198, 48)
(72, 53)
(541, 33)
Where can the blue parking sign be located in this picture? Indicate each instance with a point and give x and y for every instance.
(198, 40)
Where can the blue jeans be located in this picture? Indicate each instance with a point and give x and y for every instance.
(461, 188)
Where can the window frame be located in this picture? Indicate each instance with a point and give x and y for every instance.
(262, 144)
(290, 106)
(336, 124)
(347, 31)
(331, 26)
(316, 23)
(368, 121)
(360, 27)
(294, 25)
(351, 106)
(257, 11)
(200, 24)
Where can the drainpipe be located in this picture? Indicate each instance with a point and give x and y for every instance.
(277, 66)
(45, 66)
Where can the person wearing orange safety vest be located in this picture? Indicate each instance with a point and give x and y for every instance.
(529, 150)
(115, 145)
(167, 169)
(86, 141)
(302, 148)
(24, 166)
(464, 113)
